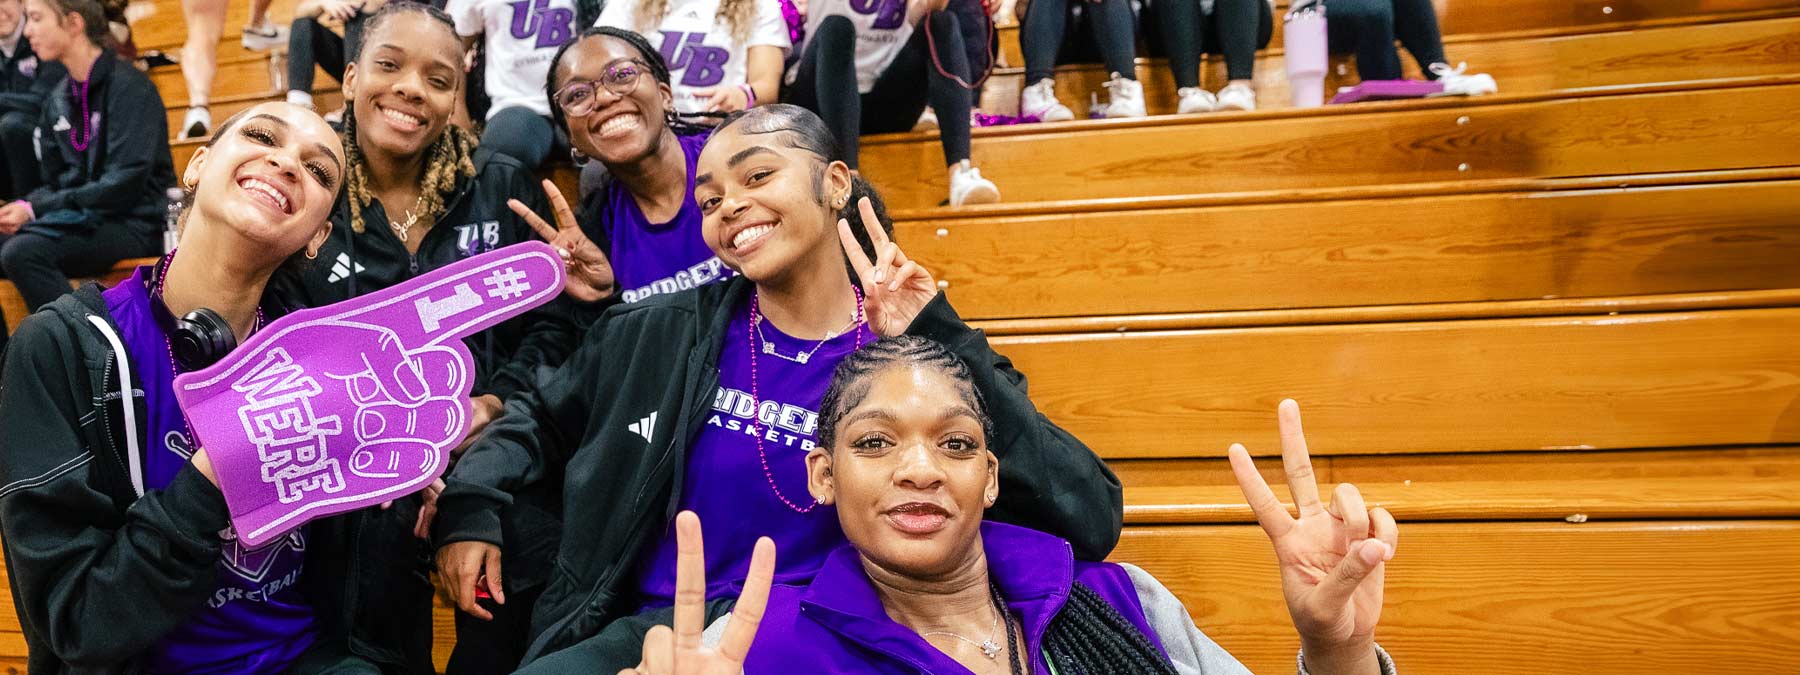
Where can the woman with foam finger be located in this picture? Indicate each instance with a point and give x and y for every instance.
(116, 534)
(707, 401)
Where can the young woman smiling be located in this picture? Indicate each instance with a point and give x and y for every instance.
(707, 400)
(117, 541)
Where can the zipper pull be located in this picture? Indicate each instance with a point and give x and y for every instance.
(412, 262)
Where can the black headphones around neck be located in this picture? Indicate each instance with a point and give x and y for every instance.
(200, 339)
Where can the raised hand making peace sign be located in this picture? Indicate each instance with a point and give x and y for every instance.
(1333, 559)
(590, 274)
(678, 651)
(895, 289)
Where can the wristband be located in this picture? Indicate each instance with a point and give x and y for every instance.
(749, 96)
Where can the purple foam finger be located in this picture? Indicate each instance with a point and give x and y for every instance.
(337, 408)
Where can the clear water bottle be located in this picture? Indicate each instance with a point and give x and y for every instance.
(172, 220)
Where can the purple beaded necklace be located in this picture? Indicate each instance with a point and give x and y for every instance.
(859, 322)
(168, 344)
(80, 92)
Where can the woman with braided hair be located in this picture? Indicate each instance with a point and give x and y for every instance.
(420, 195)
(925, 585)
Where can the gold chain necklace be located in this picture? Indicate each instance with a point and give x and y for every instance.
(401, 230)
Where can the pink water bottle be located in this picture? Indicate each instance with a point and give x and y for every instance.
(1307, 53)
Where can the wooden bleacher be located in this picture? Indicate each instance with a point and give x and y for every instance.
(1552, 330)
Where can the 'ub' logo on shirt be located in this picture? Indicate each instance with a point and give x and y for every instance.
(552, 26)
(478, 238)
(700, 65)
(889, 14)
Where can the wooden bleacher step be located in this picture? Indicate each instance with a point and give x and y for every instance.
(1544, 241)
(1712, 125)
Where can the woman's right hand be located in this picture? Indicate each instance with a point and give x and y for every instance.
(678, 651)
(463, 565)
(590, 273)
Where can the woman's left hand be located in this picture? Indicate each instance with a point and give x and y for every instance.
(427, 509)
(1333, 559)
(895, 289)
(12, 217)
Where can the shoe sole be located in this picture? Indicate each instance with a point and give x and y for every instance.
(1057, 116)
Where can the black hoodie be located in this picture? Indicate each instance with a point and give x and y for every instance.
(656, 362)
(26, 81)
(125, 172)
(476, 220)
(99, 574)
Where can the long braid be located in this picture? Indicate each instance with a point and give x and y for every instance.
(1090, 637)
(449, 159)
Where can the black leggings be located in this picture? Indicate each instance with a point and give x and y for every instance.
(1368, 28)
(1042, 36)
(826, 84)
(312, 44)
(1240, 27)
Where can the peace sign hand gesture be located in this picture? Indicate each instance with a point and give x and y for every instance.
(895, 289)
(678, 651)
(1333, 560)
(590, 274)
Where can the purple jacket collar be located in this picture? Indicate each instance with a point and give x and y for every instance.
(837, 622)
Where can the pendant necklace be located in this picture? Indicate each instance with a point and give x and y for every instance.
(753, 333)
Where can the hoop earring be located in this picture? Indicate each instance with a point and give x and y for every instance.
(312, 254)
(578, 158)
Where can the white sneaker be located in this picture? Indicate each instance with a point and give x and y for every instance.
(928, 120)
(1196, 100)
(1125, 98)
(968, 187)
(197, 123)
(1039, 100)
(1237, 97)
(269, 36)
(1458, 83)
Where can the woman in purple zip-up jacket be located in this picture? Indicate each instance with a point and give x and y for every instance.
(926, 586)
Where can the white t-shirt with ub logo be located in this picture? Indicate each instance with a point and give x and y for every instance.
(521, 37)
(696, 42)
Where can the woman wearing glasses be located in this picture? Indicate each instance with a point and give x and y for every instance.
(610, 91)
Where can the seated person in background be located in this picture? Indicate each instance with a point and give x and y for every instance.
(118, 545)
(311, 44)
(1043, 24)
(871, 67)
(518, 41)
(104, 162)
(724, 55)
(706, 400)
(26, 81)
(1367, 28)
(1240, 27)
(926, 586)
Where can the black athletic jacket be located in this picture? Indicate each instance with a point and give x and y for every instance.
(661, 356)
(126, 170)
(477, 220)
(99, 574)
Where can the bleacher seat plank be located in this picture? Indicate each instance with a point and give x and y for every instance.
(242, 78)
(1720, 125)
(1719, 597)
(1520, 64)
(1636, 381)
(1460, 248)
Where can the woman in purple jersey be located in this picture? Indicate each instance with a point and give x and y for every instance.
(926, 585)
(118, 546)
(707, 400)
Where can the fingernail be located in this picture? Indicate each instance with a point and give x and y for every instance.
(1373, 551)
